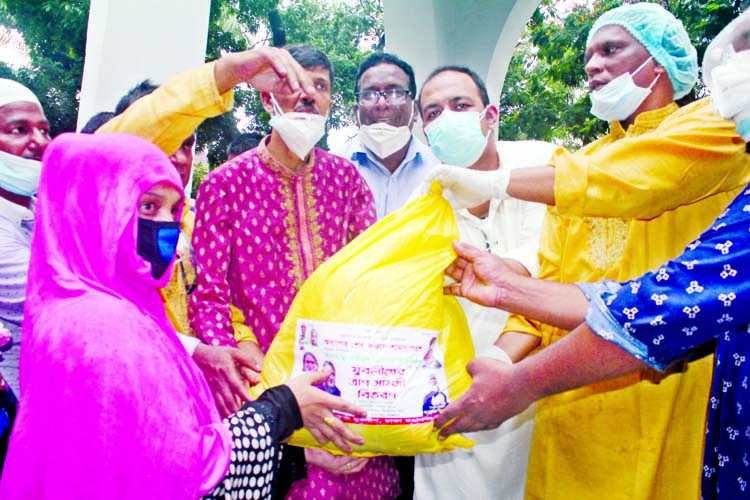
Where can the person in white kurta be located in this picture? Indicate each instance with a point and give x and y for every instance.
(495, 468)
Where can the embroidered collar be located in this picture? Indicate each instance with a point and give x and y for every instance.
(648, 120)
(275, 165)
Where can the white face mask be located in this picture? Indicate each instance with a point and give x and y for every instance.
(299, 131)
(619, 98)
(19, 175)
(730, 90)
(384, 139)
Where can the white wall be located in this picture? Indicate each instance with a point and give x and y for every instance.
(130, 40)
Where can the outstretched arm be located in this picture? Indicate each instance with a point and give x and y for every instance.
(167, 116)
(488, 280)
(500, 391)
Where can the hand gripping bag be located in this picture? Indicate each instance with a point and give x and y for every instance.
(375, 314)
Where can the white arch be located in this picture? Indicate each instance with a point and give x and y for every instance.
(137, 39)
(480, 34)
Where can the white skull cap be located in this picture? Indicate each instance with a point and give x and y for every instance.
(12, 91)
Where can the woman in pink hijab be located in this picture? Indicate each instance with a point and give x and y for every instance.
(113, 405)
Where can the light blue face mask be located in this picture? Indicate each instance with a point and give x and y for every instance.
(743, 128)
(456, 137)
(19, 175)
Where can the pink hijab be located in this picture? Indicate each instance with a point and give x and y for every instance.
(113, 406)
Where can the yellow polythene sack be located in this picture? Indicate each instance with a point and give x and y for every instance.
(375, 314)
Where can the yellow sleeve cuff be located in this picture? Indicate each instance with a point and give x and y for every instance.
(242, 332)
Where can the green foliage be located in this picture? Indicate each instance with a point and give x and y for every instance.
(199, 172)
(55, 32)
(345, 31)
(544, 96)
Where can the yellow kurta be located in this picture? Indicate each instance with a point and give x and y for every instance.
(167, 117)
(625, 204)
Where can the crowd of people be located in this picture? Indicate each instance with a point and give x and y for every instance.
(134, 324)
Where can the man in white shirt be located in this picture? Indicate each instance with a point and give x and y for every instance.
(24, 135)
(461, 126)
(392, 161)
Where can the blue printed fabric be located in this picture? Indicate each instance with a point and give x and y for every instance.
(702, 295)
(8, 409)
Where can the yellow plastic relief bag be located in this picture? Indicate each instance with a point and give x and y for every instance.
(376, 315)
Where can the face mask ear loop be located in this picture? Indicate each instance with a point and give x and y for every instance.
(481, 117)
(276, 108)
(654, 82)
(641, 66)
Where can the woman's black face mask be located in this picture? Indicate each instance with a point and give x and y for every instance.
(157, 243)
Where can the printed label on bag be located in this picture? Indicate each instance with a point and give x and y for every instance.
(395, 373)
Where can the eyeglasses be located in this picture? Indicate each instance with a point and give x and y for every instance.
(392, 96)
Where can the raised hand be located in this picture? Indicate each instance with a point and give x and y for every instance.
(478, 275)
(267, 69)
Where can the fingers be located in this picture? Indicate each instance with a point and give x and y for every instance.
(317, 433)
(476, 364)
(248, 354)
(448, 414)
(331, 428)
(245, 359)
(252, 376)
(456, 269)
(341, 435)
(223, 410)
(341, 405)
(336, 464)
(296, 76)
(238, 387)
(355, 465)
(314, 378)
(226, 403)
(455, 427)
(466, 252)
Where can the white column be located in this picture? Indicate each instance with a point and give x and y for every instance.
(131, 40)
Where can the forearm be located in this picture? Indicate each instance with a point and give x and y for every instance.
(580, 358)
(280, 407)
(225, 72)
(170, 114)
(533, 184)
(517, 345)
(556, 304)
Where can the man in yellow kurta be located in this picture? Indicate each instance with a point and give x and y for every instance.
(619, 207)
(168, 117)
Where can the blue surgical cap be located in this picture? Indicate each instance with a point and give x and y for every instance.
(662, 35)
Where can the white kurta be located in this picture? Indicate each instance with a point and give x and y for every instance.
(495, 468)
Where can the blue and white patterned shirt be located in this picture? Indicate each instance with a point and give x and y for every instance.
(663, 316)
